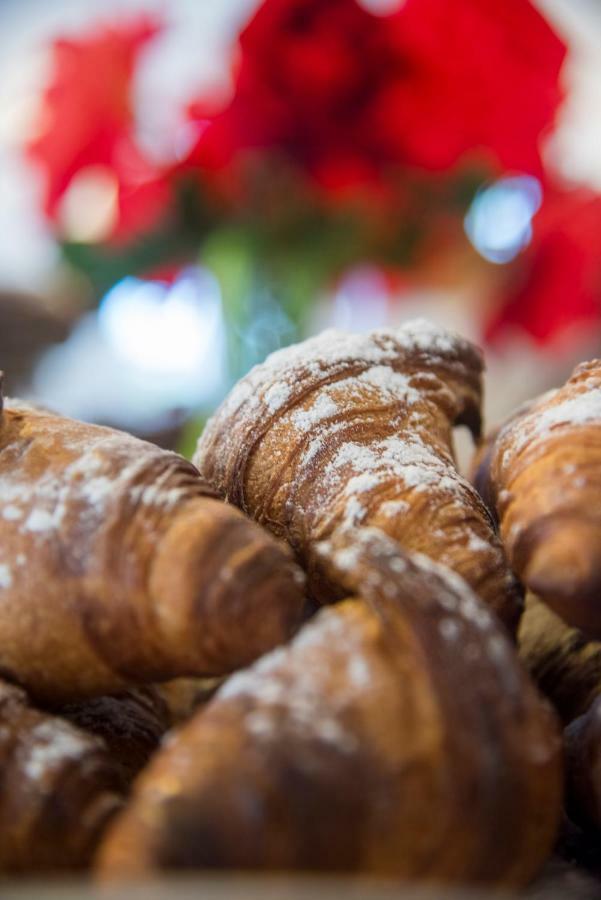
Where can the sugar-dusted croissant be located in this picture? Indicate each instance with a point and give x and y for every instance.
(131, 724)
(562, 661)
(346, 430)
(58, 789)
(115, 569)
(396, 735)
(542, 474)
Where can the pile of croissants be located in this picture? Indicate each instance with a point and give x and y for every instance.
(319, 647)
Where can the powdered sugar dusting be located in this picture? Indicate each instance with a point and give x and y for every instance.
(322, 397)
(450, 629)
(405, 462)
(394, 508)
(157, 495)
(429, 337)
(348, 372)
(367, 558)
(11, 512)
(51, 744)
(97, 490)
(324, 406)
(277, 395)
(537, 424)
(6, 578)
(272, 383)
(346, 559)
(289, 684)
(90, 477)
(476, 544)
(42, 520)
(358, 672)
(395, 384)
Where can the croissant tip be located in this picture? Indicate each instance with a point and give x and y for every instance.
(565, 570)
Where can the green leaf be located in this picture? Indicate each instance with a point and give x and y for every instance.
(190, 434)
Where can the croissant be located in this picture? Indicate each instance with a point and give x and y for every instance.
(347, 430)
(131, 725)
(396, 735)
(563, 663)
(116, 568)
(58, 789)
(542, 474)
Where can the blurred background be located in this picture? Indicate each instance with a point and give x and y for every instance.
(186, 186)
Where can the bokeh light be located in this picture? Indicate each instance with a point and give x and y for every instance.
(499, 221)
(151, 350)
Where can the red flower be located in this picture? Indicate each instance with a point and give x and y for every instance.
(87, 122)
(328, 83)
(555, 285)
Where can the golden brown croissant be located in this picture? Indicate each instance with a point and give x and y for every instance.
(131, 725)
(346, 430)
(562, 661)
(396, 735)
(117, 569)
(542, 474)
(58, 788)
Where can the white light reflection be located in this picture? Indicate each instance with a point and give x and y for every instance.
(499, 221)
(89, 209)
(151, 349)
(381, 7)
(167, 330)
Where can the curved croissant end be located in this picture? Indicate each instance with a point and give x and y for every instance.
(347, 430)
(118, 567)
(543, 477)
(396, 735)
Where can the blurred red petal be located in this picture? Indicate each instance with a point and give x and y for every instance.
(88, 116)
(426, 86)
(556, 283)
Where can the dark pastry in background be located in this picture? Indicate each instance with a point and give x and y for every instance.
(59, 786)
(130, 724)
